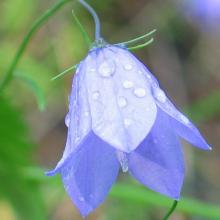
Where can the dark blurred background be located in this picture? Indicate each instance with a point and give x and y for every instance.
(185, 57)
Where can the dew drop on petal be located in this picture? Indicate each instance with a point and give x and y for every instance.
(67, 120)
(92, 69)
(127, 122)
(128, 66)
(160, 95)
(128, 84)
(107, 69)
(122, 102)
(184, 119)
(95, 95)
(81, 199)
(86, 114)
(140, 92)
(77, 139)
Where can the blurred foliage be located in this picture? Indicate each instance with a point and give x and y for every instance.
(57, 45)
(15, 154)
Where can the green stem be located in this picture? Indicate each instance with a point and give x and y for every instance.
(36, 25)
(172, 209)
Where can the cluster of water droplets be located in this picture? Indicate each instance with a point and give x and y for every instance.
(160, 95)
(107, 69)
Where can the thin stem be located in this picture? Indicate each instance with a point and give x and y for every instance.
(95, 17)
(37, 24)
(172, 209)
(141, 45)
(138, 38)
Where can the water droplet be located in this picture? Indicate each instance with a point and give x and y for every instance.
(92, 69)
(122, 102)
(107, 69)
(140, 92)
(184, 119)
(148, 76)
(128, 84)
(86, 114)
(140, 72)
(160, 95)
(128, 66)
(67, 120)
(77, 139)
(96, 95)
(81, 199)
(123, 160)
(127, 122)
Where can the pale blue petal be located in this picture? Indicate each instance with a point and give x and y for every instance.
(158, 161)
(78, 119)
(120, 98)
(89, 173)
(181, 124)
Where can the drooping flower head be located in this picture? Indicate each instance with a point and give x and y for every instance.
(119, 117)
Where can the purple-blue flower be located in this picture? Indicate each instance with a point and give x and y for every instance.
(119, 116)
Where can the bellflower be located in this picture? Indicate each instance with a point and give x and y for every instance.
(119, 116)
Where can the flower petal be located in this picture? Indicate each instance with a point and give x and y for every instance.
(158, 161)
(181, 124)
(89, 173)
(120, 98)
(78, 119)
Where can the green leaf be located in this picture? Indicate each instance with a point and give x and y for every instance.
(15, 154)
(205, 108)
(140, 195)
(82, 29)
(15, 14)
(38, 92)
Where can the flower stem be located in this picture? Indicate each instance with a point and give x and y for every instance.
(36, 25)
(172, 209)
(95, 17)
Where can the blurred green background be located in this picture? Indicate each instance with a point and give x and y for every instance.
(185, 57)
